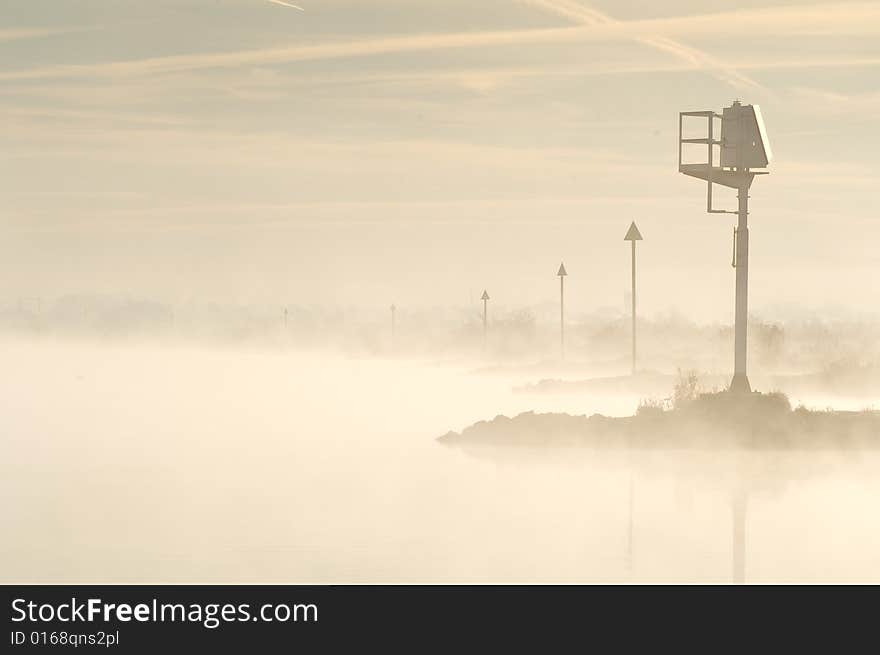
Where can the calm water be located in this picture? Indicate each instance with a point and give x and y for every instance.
(133, 463)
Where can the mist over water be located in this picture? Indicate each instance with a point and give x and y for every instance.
(148, 462)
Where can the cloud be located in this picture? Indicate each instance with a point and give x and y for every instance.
(35, 33)
(299, 53)
(11, 35)
(778, 22)
(36, 114)
(286, 4)
(642, 34)
(834, 104)
(831, 19)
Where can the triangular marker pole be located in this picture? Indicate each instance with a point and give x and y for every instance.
(633, 306)
(633, 235)
(561, 317)
(485, 299)
(562, 273)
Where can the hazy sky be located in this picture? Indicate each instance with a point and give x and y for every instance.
(369, 151)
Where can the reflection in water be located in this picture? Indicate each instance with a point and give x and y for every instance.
(728, 482)
(173, 465)
(738, 506)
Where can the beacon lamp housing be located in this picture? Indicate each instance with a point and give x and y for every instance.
(744, 142)
(743, 146)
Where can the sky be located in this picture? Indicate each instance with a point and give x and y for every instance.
(358, 153)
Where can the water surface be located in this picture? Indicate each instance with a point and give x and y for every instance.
(171, 463)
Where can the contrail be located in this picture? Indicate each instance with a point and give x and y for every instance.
(586, 16)
(286, 4)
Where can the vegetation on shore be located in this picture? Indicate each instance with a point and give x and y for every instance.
(690, 418)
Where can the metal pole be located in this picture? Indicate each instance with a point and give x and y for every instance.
(633, 306)
(740, 382)
(561, 317)
(485, 301)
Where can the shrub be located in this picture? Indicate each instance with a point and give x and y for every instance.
(686, 389)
